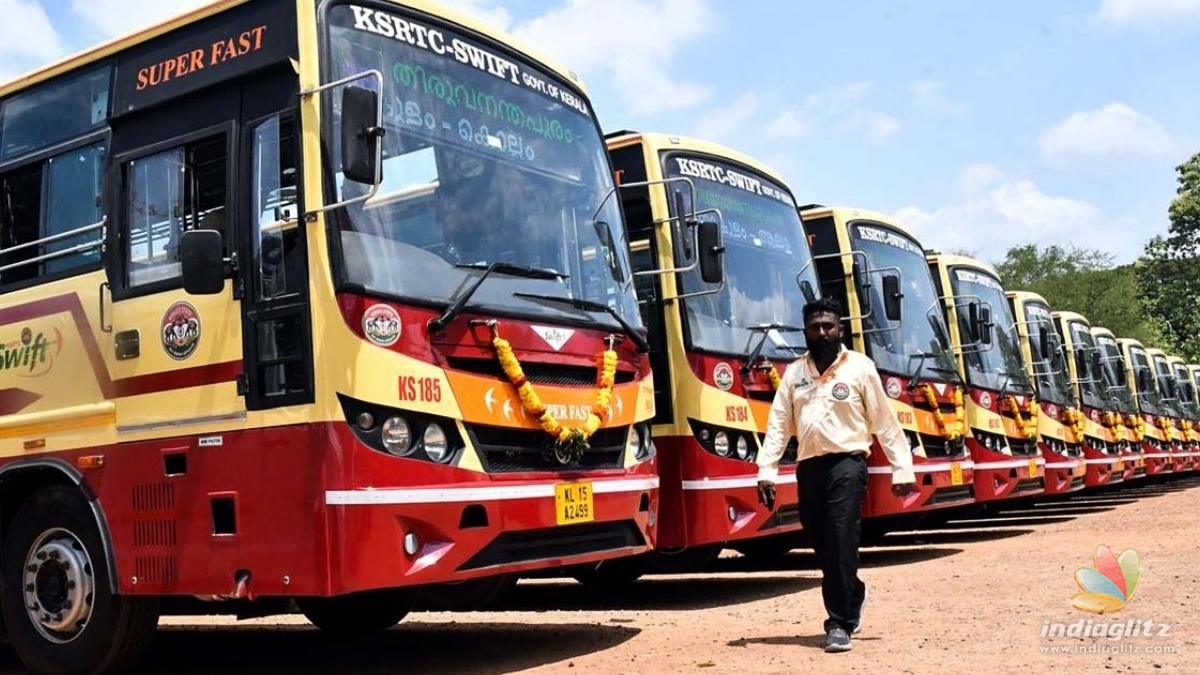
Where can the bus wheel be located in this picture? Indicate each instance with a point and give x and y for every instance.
(361, 613)
(466, 596)
(61, 614)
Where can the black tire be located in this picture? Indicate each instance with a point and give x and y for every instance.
(359, 614)
(116, 630)
(466, 596)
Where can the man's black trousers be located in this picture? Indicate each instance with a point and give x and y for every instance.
(832, 488)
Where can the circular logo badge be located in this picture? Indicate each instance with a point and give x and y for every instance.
(1095, 415)
(893, 387)
(723, 376)
(1052, 411)
(381, 325)
(181, 330)
(841, 391)
(985, 400)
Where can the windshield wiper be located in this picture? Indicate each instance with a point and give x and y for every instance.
(511, 269)
(766, 329)
(593, 306)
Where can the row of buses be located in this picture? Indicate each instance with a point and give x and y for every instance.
(415, 328)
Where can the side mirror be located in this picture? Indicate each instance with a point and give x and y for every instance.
(1143, 380)
(604, 232)
(892, 297)
(361, 135)
(807, 291)
(687, 244)
(712, 253)
(1044, 345)
(202, 262)
(973, 322)
(985, 325)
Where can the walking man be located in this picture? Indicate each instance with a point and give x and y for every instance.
(832, 400)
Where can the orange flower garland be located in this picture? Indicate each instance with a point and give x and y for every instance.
(1073, 418)
(1028, 426)
(570, 441)
(1137, 425)
(772, 373)
(952, 432)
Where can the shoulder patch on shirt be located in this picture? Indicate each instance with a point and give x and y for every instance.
(841, 391)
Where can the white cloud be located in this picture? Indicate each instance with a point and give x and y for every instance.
(486, 11)
(930, 96)
(992, 211)
(27, 38)
(1115, 132)
(632, 41)
(841, 108)
(1148, 13)
(111, 18)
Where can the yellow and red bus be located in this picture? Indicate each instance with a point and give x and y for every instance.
(1189, 409)
(1194, 385)
(715, 338)
(1154, 419)
(1103, 436)
(1060, 422)
(1002, 407)
(876, 268)
(391, 338)
(1121, 414)
(1171, 420)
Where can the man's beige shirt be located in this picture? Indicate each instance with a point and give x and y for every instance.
(837, 412)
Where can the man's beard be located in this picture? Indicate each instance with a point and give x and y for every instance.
(824, 350)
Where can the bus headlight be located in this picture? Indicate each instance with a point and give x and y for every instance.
(435, 443)
(721, 443)
(396, 436)
(742, 448)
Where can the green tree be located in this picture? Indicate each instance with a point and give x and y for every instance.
(1080, 280)
(1168, 273)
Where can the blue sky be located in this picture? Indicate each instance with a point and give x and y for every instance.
(980, 125)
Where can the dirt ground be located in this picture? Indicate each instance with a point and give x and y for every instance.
(973, 596)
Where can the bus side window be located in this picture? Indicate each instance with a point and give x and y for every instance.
(166, 193)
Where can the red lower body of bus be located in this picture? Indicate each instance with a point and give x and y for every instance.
(1189, 456)
(1064, 473)
(1134, 459)
(1179, 458)
(706, 499)
(1102, 468)
(308, 510)
(1158, 461)
(1000, 476)
(941, 483)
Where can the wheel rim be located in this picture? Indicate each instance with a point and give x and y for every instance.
(59, 585)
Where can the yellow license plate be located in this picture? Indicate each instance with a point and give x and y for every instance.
(1119, 465)
(1080, 470)
(1033, 468)
(956, 473)
(573, 503)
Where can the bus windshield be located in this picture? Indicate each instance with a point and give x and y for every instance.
(1112, 367)
(1166, 385)
(997, 366)
(1050, 370)
(1187, 391)
(486, 159)
(919, 345)
(1086, 369)
(765, 251)
(1148, 395)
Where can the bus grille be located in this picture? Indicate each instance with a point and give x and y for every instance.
(510, 548)
(550, 374)
(507, 450)
(784, 515)
(951, 494)
(939, 447)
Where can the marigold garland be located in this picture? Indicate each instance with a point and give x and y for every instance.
(1137, 425)
(772, 373)
(1028, 426)
(954, 431)
(571, 442)
(1073, 418)
(1165, 425)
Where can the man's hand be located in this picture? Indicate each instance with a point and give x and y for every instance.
(766, 494)
(903, 489)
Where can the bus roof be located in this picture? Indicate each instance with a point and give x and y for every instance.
(1101, 330)
(953, 259)
(1066, 315)
(148, 32)
(661, 141)
(1130, 342)
(853, 213)
(1026, 296)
